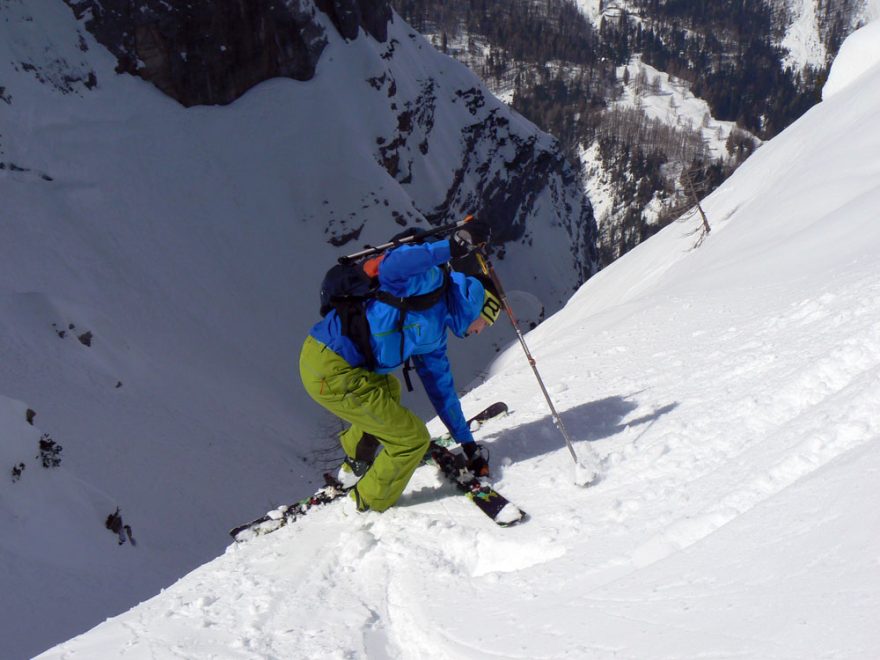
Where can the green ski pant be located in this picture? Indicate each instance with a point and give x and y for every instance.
(370, 402)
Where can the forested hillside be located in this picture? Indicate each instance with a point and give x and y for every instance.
(566, 72)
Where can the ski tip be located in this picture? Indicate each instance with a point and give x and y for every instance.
(495, 410)
(510, 515)
(252, 531)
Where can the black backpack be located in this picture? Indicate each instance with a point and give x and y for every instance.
(347, 287)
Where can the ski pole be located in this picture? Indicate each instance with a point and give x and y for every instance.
(428, 233)
(584, 475)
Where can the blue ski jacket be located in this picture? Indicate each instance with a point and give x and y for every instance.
(412, 270)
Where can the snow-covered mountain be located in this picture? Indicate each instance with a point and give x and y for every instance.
(813, 30)
(810, 30)
(451, 147)
(759, 65)
(160, 267)
(731, 391)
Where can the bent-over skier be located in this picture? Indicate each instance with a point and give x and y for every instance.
(336, 374)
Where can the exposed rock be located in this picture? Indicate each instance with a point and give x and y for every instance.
(210, 53)
(503, 169)
(453, 149)
(349, 16)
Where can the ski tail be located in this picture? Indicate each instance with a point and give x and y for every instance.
(284, 515)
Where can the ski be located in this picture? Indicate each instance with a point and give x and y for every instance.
(495, 410)
(480, 491)
(474, 423)
(485, 496)
(284, 515)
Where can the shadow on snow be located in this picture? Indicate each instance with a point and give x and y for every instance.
(587, 422)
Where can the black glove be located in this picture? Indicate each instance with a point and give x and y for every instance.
(478, 459)
(474, 458)
(473, 235)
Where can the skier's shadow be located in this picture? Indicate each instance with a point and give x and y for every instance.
(587, 422)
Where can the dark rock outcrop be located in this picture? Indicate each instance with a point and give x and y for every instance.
(349, 16)
(452, 147)
(211, 52)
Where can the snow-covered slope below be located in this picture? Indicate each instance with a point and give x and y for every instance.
(802, 39)
(731, 392)
(670, 100)
(667, 100)
(186, 247)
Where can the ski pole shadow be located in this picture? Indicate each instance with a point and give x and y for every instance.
(589, 422)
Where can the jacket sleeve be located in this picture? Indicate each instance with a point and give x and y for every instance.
(436, 376)
(399, 268)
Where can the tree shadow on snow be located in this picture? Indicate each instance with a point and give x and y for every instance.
(588, 422)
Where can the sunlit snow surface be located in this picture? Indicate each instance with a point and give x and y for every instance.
(858, 54)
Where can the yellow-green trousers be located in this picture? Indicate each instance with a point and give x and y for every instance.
(370, 402)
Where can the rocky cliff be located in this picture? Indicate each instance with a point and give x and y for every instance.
(210, 53)
(492, 163)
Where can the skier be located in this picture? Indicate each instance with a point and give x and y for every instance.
(335, 372)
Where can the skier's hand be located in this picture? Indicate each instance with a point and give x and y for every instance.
(476, 459)
(472, 236)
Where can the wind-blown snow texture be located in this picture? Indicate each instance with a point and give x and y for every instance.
(733, 394)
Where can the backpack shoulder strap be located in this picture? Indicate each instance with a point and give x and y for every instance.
(355, 325)
(418, 303)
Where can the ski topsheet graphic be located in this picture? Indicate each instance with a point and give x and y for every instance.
(479, 490)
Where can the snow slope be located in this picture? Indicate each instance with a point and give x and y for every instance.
(190, 244)
(857, 55)
(808, 23)
(670, 100)
(732, 392)
(802, 39)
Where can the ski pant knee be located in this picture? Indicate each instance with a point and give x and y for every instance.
(357, 441)
(370, 402)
